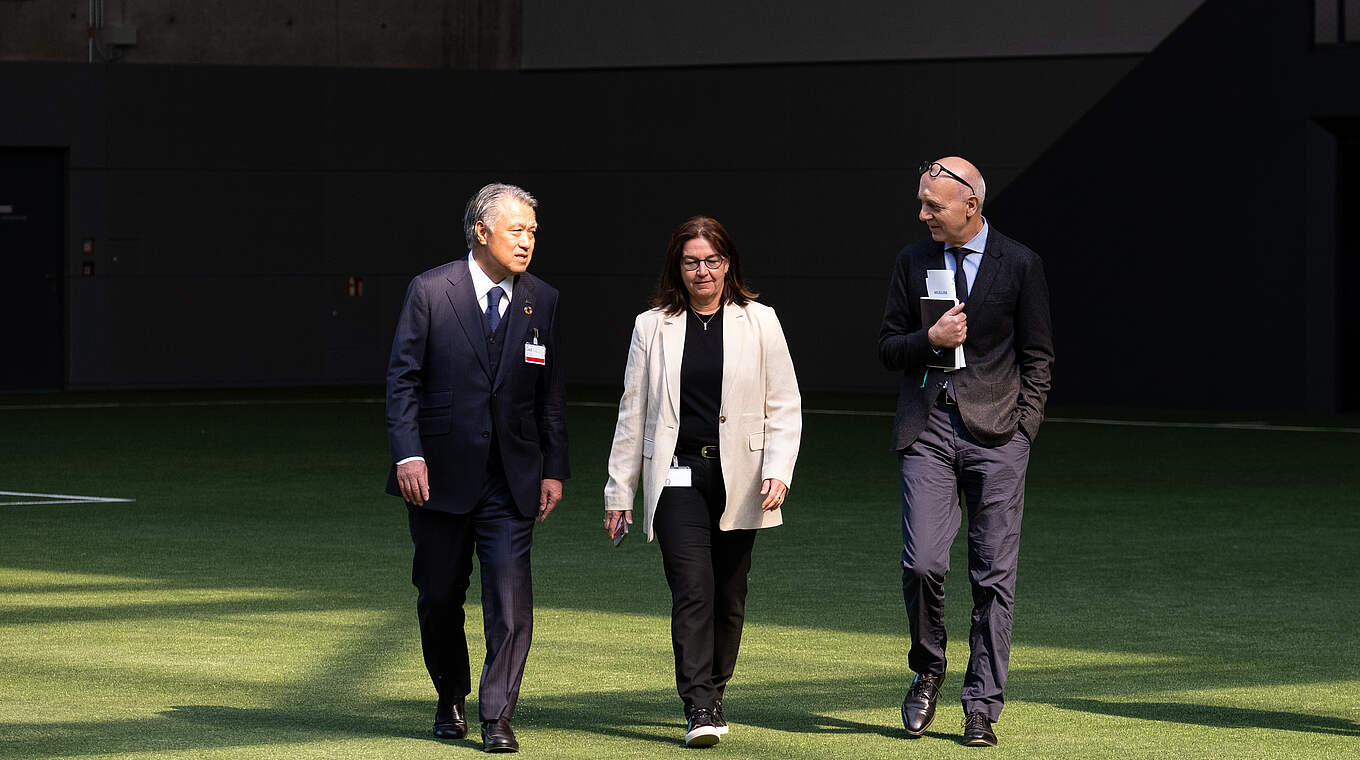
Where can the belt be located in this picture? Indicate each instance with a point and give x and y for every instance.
(707, 452)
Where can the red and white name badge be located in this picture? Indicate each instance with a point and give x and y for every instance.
(535, 352)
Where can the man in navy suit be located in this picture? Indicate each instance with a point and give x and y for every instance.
(964, 433)
(476, 425)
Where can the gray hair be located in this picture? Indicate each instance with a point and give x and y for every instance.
(981, 191)
(485, 207)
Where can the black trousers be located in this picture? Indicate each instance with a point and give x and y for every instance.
(944, 463)
(706, 569)
(444, 545)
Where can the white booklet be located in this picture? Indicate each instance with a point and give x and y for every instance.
(940, 297)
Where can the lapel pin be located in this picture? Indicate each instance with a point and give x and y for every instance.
(528, 309)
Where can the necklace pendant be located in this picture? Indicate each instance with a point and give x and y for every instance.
(705, 324)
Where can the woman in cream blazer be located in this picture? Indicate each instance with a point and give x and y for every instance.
(710, 419)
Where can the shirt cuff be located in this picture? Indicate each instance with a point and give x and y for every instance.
(411, 459)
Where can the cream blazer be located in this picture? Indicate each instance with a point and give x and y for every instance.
(760, 420)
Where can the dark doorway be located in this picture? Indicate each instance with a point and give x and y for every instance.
(32, 243)
(1348, 263)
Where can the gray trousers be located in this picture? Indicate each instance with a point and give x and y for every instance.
(943, 464)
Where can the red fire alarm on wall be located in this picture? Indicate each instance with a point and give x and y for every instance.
(355, 287)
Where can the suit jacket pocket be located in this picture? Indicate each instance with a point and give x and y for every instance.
(756, 441)
(435, 421)
(1002, 299)
(435, 414)
(434, 400)
(528, 428)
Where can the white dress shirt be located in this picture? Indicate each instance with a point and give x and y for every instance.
(481, 283)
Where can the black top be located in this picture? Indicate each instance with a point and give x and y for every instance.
(701, 380)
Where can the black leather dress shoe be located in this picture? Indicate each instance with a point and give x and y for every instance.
(497, 736)
(450, 722)
(977, 730)
(918, 709)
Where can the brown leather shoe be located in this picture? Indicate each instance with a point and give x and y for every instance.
(450, 721)
(918, 708)
(497, 736)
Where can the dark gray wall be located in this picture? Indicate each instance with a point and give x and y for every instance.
(615, 33)
(236, 201)
(462, 34)
(1189, 222)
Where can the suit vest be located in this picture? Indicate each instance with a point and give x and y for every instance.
(495, 344)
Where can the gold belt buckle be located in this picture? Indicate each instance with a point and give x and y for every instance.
(708, 452)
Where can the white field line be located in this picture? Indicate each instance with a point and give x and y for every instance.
(1260, 426)
(57, 498)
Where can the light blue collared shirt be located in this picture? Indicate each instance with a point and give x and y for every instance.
(973, 258)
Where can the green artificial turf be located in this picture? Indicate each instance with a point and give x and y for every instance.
(1184, 593)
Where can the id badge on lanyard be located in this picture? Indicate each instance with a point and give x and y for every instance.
(677, 476)
(535, 352)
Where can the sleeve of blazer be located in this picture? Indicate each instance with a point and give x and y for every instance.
(1033, 346)
(405, 373)
(551, 407)
(902, 341)
(783, 405)
(625, 457)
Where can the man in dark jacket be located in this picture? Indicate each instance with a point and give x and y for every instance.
(964, 432)
(477, 430)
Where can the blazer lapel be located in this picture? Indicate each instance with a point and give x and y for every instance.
(469, 316)
(735, 325)
(672, 354)
(986, 274)
(524, 296)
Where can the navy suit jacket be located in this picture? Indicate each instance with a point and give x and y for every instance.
(443, 403)
(1008, 351)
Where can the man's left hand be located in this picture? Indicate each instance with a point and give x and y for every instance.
(549, 493)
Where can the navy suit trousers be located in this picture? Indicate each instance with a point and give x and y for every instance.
(943, 469)
(444, 545)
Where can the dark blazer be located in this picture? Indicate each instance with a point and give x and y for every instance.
(1008, 351)
(443, 404)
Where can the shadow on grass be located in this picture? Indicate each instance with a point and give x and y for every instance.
(188, 727)
(651, 716)
(192, 727)
(1215, 716)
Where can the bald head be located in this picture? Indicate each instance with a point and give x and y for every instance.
(968, 173)
(951, 200)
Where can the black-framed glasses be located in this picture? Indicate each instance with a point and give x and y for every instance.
(936, 168)
(692, 265)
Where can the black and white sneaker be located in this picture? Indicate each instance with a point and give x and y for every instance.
(701, 730)
(718, 719)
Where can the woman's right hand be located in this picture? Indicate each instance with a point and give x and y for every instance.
(612, 517)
